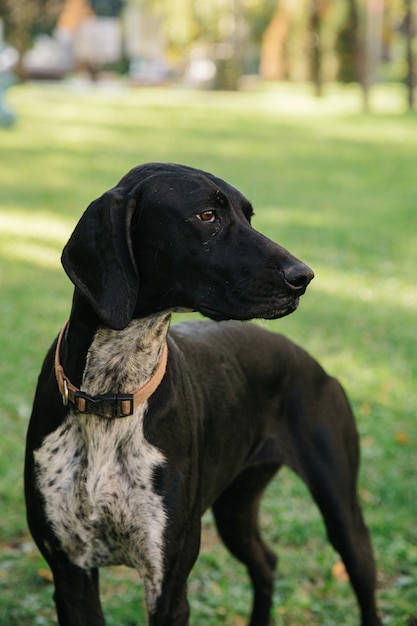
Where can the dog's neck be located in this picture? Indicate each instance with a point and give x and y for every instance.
(101, 360)
(119, 361)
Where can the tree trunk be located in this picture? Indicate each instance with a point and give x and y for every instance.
(318, 9)
(372, 45)
(347, 45)
(273, 64)
(409, 22)
(229, 63)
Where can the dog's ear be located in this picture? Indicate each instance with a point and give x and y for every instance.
(99, 259)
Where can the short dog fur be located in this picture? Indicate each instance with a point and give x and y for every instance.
(107, 486)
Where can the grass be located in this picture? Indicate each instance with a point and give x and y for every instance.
(336, 187)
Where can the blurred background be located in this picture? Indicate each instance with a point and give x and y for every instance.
(216, 43)
(307, 106)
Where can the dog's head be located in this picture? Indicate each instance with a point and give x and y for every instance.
(170, 237)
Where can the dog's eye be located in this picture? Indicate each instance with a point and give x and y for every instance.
(207, 216)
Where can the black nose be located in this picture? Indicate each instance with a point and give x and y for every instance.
(297, 276)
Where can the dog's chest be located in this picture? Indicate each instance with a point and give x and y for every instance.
(96, 478)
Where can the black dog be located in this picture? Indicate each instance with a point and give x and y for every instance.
(135, 431)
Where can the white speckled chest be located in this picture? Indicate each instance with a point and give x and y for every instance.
(96, 479)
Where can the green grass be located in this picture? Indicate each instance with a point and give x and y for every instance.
(337, 188)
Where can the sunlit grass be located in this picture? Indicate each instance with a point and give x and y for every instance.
(335, 186)
(35, 239)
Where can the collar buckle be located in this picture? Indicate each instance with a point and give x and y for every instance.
(108, 405)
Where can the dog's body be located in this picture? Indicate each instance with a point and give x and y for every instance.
(109, 486)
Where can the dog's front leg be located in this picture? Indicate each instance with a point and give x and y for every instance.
(171, 607)
(76, 594)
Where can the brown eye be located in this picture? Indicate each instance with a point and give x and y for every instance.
(207, 216)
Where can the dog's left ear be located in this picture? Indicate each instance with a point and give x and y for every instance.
(99, 259)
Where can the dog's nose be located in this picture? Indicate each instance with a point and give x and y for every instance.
(298, 276)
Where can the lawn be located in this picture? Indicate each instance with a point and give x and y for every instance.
(336, 187)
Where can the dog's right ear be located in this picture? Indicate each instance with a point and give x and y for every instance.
(99, 259)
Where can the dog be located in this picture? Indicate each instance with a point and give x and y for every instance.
(137, 429)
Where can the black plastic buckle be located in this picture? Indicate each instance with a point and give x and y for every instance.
(108, 405)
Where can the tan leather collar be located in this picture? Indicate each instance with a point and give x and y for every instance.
(109, 405)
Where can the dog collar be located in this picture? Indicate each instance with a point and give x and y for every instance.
(110, 405)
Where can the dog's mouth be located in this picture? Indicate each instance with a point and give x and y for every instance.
(270, 311)
(275, 313)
